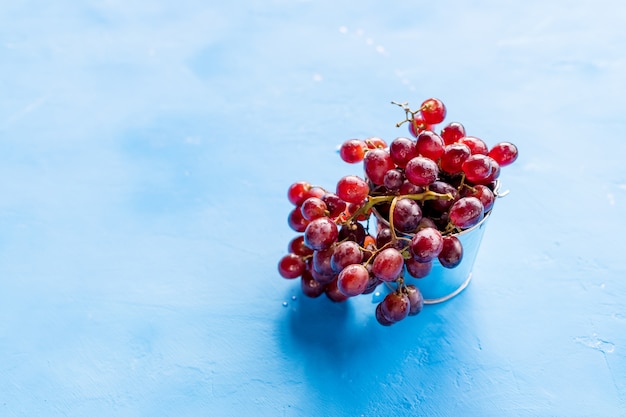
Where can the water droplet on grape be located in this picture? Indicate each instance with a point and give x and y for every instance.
(294, 298)
(284, 303)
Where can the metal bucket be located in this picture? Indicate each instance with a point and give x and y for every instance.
(441, 284)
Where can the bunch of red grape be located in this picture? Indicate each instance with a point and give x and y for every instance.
(423, 191)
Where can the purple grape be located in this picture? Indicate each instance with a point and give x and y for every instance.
(416, 300)
(451, 254)
(406, 215)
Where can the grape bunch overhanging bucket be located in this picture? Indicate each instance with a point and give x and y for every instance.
(412, 223)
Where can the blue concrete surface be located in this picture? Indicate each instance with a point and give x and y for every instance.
(145, 152)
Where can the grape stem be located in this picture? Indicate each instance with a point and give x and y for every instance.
(409, 114)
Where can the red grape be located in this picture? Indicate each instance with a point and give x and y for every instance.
(466, 212)
(380, 317)
(426, 244)
(429, 144)
(310, 287)
(376, 163)
(312, 208)
(417, 124)
(346, 253)
(452, 132)
(451, 254)
(476, 145)
(352, 189)
(402, 150)
(421, 171)
(297, 246)
(334, 294)
(353, 280)
(375, 143)
(321, 261)
(334, 204)
(416, 300)
(483, 193)
(395, 306)
(291, 266)
(297, 192)
(321, 233)
(418, 269)
(352, 151)
(297, 221)
(388, 264)
(453, 157)
(504, 153)
(433, 111)
(477, 168)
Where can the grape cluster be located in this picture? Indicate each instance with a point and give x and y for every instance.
(423, 191)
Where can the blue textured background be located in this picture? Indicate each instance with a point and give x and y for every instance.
(145, 152)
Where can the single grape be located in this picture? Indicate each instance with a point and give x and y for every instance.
(495, 172)
(375, 143)
(380, 317)
(426, 244)
(402, 150)
(421, 171)
(395, 306)
(393, 180)
(433, 111)
(310, 287)
(505, 153)
(388, 264)
(483, 193)
(313, 207)
(409, 188)
(416, 300)
(297, 192)
(452, 132)
(376, 163)
(441, 204)
(429, 144)
(352, 231)
(334, 294)
(418, 269)
(297, 246)
(451, 254)
(323, 279)
(352, 189)
(353, 150)
(466, 212)
(384, 236)
(417, 124)
(476, 145)
(453, 157)
(406, 215)
(334, 205)
(291, 266)
(296, 220)
(477, 168)
(426, 222)
(353, 280)
(321, 233)
(346, 253)
(321, 261)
